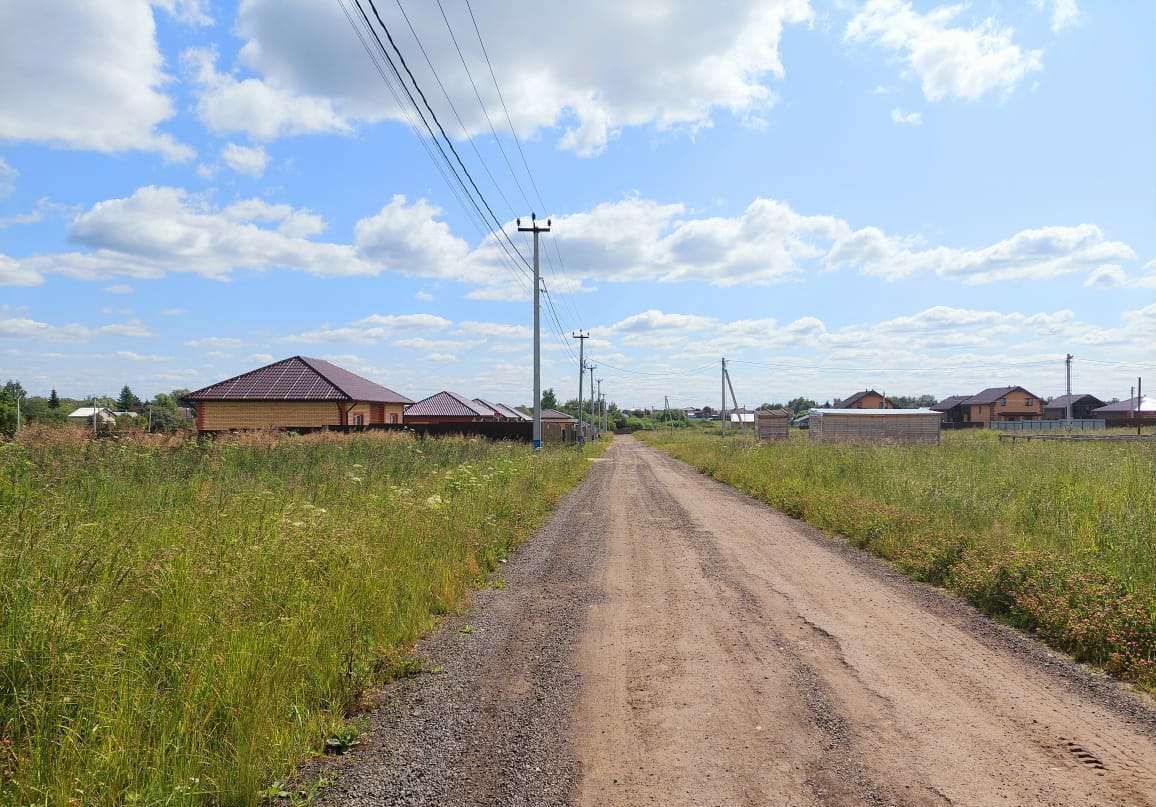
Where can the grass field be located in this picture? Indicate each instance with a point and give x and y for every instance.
(1058, 539)
(179, 624)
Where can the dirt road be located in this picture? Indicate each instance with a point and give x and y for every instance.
(669, 641)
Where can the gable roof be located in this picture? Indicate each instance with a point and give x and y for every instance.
(449, 404)
(993, 394)
(298, 378)
(858, 396)
(950, 402)
(777, 412)
(89, 411)
(554, 414)
(1063, 401)
(1146, 404)
(501, 410)
(509, 411)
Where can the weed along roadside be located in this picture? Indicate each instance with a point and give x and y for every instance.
(184, 622)
(1058, 540)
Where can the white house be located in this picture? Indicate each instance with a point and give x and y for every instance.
(85, 414)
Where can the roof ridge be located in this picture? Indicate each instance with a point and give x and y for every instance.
(309, 362)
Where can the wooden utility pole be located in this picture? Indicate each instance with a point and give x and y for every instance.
(536, 230)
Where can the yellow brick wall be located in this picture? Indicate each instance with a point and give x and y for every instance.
(218, 415)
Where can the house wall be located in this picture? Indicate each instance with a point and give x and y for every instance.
(375, 413)
(557, 431)
(222, 415)
(1019, 405)
(921, 428)
(771, 428)
(225, 415)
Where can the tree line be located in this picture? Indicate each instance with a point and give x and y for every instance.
(160, 413)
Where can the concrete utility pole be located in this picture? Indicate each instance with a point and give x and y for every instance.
(1068, 412)
(595, 413)
(605, 415)
(723, 418)
(535, 229)
(593, 425)
(581, 337)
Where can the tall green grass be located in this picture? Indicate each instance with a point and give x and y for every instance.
(1056, 538)
(180, 623)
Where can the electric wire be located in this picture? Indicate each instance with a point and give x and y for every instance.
(441, 128)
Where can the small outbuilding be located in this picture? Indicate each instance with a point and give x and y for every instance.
(875, 425)
(772, 424)
(558, 427)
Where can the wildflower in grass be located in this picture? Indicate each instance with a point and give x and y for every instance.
(434, 502)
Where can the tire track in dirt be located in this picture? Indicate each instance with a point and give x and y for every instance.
(668, 640)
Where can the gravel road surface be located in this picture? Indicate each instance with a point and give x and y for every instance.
(667, 640)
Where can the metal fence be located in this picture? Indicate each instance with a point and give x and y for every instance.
(1049, 425)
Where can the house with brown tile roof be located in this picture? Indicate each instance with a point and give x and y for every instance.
(866, 399)
(295, 393)
(996, 404)
(449, 407)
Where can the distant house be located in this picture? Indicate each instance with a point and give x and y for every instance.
(85, 415)
(449, 407)
(1003, 404)
(558, 427)
(510, 412)
(503, 412)
(295, 393)
(1082, 406)
(1126, 413)
(867, 399)
(953, 408)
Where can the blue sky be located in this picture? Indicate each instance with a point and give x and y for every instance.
(914, 196)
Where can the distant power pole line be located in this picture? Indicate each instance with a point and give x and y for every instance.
(596, 414)
(536, 230)
(581, 337)
(593, 425)
(1068, 413)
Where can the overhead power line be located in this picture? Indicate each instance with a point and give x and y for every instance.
(437, 122)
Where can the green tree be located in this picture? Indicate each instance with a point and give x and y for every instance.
(10, 395)
(53, 399)
(549, 400)
(913, 401)
(800, 406)
(127, 401)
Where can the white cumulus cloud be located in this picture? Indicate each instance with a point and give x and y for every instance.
(950, 60)
(591, 72)
(248, 160)
(99, 86)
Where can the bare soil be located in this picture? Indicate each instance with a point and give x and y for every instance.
(667, 640)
